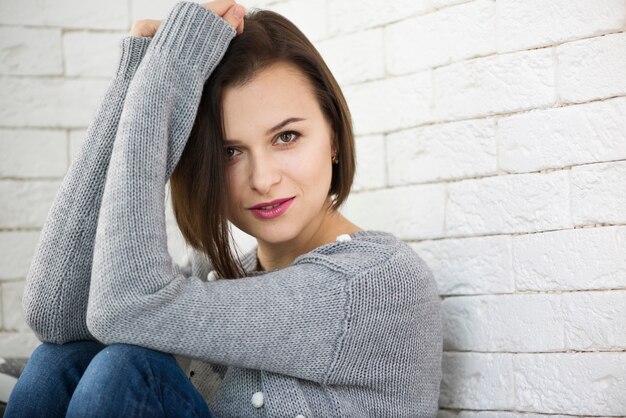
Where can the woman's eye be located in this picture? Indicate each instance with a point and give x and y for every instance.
(230, 155)
(288, 137)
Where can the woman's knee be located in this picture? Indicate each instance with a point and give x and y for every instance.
(76, 353)
(129, 355)
(120, 377)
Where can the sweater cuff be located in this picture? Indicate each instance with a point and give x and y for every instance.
(132, 49)
(194, 35)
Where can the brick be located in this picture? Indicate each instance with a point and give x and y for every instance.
(390, 104)
(310, 17)
(579, 383)
(18, 344)
(32, 153)
(12, 317)
(25, 204)
(535, 23)
(494, 414)
(414, 212)
(446, 3)
(66, 13)
(356, 57)
(599, 193)
(592, 68)
(595, 320)
(16, 252)
(578, 134)
(176, 243)
(30, 51)
(508, 204)
(467, 377)
(370, 163)
(495, 84)
(76, 138)
(503, 323)
(442, 152)
(449, 35)
(369, 13)
(469, 265)
(151, 9)
(49, 102)
(244, 242)
(576, 259)
(92, 54)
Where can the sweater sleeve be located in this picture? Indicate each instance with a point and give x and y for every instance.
(311, 320)
(55, 296)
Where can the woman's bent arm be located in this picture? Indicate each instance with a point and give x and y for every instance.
(349, 313)
(57, 285)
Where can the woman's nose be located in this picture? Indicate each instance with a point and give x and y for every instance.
(263, 175)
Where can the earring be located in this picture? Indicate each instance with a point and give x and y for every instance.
(335, 159)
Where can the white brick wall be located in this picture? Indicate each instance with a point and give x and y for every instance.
(491, 136)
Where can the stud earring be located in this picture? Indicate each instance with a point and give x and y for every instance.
(335, 159)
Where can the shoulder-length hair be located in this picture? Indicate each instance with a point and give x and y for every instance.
(199, 187)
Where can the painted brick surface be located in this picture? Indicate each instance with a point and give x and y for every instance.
(91, 54)
(599, 193)
(578, 383)
(592, 68)
(30, 51)
(561, 137)
(112, 14)
(49, 102)
(508, 204)
(439, 152)
(468, 266)
(477, 381)
(391, 103)
(25, 204)
(510, 323)
(16, 250)
(370, 163)
(413, 212)
(536, 23)
(571, 259)
(356, 57)
(496, 84)
(32, 153)
(435, 39)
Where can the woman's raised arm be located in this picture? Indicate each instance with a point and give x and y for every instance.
(355, 312)
(57, 285)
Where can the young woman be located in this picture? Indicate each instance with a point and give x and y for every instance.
(320, 319)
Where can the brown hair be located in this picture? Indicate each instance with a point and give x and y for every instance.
(199, 187)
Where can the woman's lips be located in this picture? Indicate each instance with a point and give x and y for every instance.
(273, 212)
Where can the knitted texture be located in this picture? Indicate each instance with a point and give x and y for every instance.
(351, 328)
(57, 284)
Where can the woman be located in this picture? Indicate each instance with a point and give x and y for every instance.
(320, 319)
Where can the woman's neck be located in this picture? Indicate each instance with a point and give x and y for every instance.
(279, 255)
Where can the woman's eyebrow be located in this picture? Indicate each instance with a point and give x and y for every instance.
(270, 131)
(283, 123)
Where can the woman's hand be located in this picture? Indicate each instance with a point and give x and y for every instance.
(228, 10)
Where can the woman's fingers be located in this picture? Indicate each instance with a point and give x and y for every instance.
(145, 27)
(219, 7)
(228, 10)
(234, 17)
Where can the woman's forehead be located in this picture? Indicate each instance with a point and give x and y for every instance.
(274, 94)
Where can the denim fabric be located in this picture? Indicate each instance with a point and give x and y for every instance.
(90, 379)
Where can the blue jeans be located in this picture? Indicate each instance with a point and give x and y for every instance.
(90, 379)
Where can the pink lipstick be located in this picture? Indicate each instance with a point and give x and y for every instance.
(272, 209)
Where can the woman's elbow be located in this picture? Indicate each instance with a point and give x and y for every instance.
(102, 320)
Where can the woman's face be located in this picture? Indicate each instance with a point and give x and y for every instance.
(266, 164)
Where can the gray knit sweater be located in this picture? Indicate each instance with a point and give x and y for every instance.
(351, 329)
